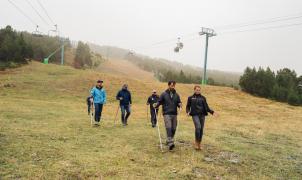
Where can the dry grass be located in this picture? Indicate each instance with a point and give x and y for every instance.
(45, 132)
(126, 69)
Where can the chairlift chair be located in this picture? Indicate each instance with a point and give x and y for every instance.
(179, 45)
(37, 33)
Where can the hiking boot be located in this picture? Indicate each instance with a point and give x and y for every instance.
(200, 146)
(195, 144)
(171, 147)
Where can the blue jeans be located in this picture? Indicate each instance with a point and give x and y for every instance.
(98, 111)
(199, 125)
(124, 109)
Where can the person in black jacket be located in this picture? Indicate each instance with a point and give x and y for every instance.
(170, 101)
(198, 108)
(124, 96)
(153, 99)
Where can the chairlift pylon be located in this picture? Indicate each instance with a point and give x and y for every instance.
(56, 31)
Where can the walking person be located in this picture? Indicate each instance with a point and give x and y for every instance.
(170, 101)
(198, 108)
(153, 99)
(124, 96)
(98, 98)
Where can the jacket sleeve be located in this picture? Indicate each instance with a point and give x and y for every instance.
(148, 101)
(92, 92)
(105, 96)
(178, 101)
(207, 106)
(160, 100)
(130, 99)
(118, 95)
(188, 107)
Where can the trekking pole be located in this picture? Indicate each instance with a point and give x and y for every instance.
(92, 114)
(118, 107)
(147, 113)
(158, 130)
(177, 127)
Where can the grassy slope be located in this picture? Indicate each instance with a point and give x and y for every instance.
(45, 132)
(125, 68)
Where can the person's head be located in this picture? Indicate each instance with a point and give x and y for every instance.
(197, 89)
(125, 86)
(171, 85)
(99, 83)
(154, 92)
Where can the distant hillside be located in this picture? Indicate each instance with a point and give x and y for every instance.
(125, 68)
(161, 66)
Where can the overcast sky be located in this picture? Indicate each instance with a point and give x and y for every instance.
(138, 24)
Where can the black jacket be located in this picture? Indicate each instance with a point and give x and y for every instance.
(126, 95)
(170, 101)
(153, 99)
(197, 105)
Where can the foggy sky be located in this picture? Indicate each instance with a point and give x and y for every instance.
(137, 24)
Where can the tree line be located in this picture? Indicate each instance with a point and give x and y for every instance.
(13, 48)
(164, 72)
(17, 48)
(283, 86)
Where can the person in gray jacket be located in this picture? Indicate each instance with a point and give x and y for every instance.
(170, 101)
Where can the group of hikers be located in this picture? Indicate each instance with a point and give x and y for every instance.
(197, 107)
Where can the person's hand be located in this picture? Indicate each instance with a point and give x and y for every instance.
(215, 114)
(121, 98)
(188, 114)
(91, 100)
(179, 105)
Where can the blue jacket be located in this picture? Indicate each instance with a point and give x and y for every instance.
(126, 95)
(99, 95)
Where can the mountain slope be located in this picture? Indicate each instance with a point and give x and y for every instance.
(45, 132)
(158, 64)
(126, 69)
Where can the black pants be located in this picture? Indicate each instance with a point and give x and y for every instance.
(199, 125)
(154, 114)
(98, 111)
(126, 111)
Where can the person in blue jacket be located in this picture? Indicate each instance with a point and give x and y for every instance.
(98, 96)
(124, 96)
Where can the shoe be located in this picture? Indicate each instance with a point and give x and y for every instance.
(197, 145)
(171, 147)
(200, 146)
